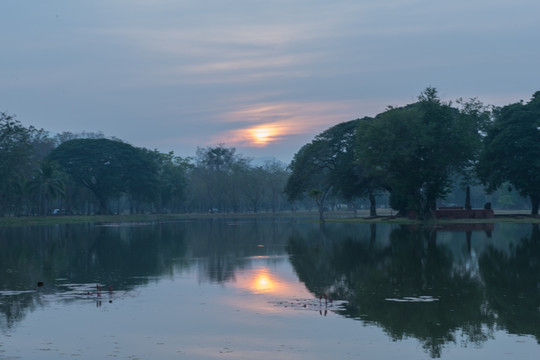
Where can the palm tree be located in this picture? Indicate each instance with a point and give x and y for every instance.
(48, 183)
(21, 190)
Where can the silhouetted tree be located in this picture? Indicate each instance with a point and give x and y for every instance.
(326, 166)
(511, 150)
(417, 149)
(108, 168)
(48, 184)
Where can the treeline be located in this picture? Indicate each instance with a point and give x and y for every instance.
(87, 173)
(410, 158)
(420, 153)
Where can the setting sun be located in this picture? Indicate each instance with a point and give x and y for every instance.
(262, 135)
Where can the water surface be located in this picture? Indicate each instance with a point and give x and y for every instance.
(269, 289)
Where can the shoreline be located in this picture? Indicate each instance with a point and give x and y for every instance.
(384, 216)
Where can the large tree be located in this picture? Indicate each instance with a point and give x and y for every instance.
(326, 166)
(108, 168)
(511, 150)
(416, 150)
(350, 178)
(17, 158)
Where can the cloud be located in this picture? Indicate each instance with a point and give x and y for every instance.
(218, 55)
(263, 124)
(267, 75)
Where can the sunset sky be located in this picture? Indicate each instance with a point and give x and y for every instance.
(262, 76)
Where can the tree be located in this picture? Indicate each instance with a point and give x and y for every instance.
(325, 166)
(276, 175)
(309, 175)
(254, 186)
(141, 177)
(107, 168)
(20, 189)
(215, 179)
(172, 174)
(48, 184)
(16, 158)
(511, 150)
(416, 150)
(351, 179)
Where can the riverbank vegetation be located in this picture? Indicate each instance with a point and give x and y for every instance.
(410, 159)
(420, 153)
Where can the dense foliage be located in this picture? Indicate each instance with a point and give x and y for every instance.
(108, 169)
(420, 153)
(89, 174)
(416, 151)
(411, 158)
(512, 150)
(327, 166)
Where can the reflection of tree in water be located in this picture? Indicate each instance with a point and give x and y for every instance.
(122, 256)
(13, 310)
(377, 280)
(217, 251)
(222, 247)
(512, 281)
(323, 258)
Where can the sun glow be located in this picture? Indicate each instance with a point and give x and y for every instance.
(263, 283)
(268, 282)
(262, 135)
(263, 124)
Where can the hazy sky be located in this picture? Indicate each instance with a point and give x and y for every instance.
(262, 76)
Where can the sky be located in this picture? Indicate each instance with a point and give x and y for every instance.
(264, 77)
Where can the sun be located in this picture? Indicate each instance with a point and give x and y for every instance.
(262, 135)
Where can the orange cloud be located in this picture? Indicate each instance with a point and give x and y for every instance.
(270, 123)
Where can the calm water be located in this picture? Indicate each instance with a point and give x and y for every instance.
(227, 289)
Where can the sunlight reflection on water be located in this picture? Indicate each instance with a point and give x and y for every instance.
(250, 299)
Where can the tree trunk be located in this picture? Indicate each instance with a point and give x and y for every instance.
(321, 201)
(372, 205)
(535, 201)
(321, 212)
(102, 206)
(468, 198)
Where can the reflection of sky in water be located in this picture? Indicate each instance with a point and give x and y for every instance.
(179, 316)
(267, 284)
(269, 279)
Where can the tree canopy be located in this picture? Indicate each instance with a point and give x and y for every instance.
(107, 168)
(415, 150)
(325, 166)
(21, 150)
(415, 154)
(512, 150)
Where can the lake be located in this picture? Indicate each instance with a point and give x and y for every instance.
(269, 289)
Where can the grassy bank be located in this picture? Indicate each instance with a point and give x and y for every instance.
(384, 216)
